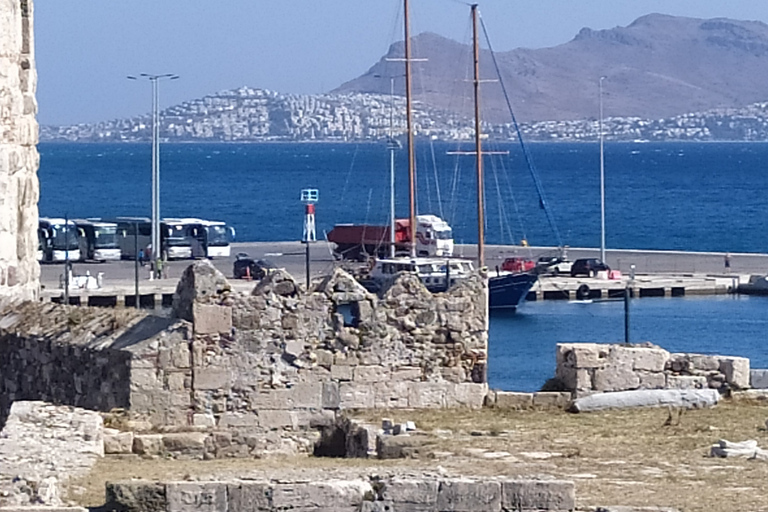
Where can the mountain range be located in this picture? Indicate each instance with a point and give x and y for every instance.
(657, 66)
(665, 78)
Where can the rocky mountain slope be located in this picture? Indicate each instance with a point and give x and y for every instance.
(658, 66)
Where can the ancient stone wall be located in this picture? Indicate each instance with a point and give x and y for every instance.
(376, 494)
(281, 357)
(277, 359)
(76, 356)
(19, 189)
(590, 367)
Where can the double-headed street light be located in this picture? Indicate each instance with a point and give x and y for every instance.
(157, 252)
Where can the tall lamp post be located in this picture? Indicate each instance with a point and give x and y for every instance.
(156, 247)
(602, 178)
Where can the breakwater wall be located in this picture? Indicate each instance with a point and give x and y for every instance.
(19, 160)
(421, 494)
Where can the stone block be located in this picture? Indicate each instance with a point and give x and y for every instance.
(411, 494)
(343, 496)
(407, 373)
(196, 496)
(736, 370)
(238, 420)
(331, 398)
(535, 495)
(181, 356)
(460, 495)
(391, 396)
(758, 379)
(581, 355)
(704, 362)
(145, 378)
(203, 420)
(650, 359)
(356, 396)
(188, 443)
(575, 379)
(275, 419)
(427, 395)
(136, 496)
(551, 399)
(400, 447)
(466, 394)
(250, 496)
(371, 374)
(119, 443)
(341, 372)
(211, 378)
(615, 378)
(686, 382)
(212, 319)
(512, 400)
(148, 444)
(652, 380)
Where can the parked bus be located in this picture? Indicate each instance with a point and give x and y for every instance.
(57, 240)
(133, 233)
(205, 238)
(98, 240)
(218, 237)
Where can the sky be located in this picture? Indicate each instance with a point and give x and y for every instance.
(86, 48)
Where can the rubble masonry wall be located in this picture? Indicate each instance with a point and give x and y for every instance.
(19, 160)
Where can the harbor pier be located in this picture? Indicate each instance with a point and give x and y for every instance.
(656, 273)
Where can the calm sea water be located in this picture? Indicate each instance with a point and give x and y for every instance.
(658, 196)
(699, 197)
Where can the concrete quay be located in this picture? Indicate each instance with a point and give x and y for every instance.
(657, 273)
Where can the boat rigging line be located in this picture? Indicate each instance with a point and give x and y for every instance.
(529, 162)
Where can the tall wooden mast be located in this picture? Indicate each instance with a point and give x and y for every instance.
(409, 116)
(478, 146)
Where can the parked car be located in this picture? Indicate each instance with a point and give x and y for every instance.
(517, 265)
(246, 267)
(553, 265)
(588, 267)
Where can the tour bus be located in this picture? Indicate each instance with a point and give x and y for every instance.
(217, 238)
(205, 238)
(98, 240)
(134, 234)
(177, 238)
(57, 240)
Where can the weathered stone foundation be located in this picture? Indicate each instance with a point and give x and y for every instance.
(421, 494)
(19, 160)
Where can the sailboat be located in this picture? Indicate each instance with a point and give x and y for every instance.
(506, 290)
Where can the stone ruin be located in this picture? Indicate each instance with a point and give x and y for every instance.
(278, 359)
(19, 160)
(587, 368)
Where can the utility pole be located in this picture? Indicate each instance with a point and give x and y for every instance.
(157, 250)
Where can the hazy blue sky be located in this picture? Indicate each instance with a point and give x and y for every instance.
(85, 48)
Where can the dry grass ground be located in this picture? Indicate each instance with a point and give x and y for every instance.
(615, 458)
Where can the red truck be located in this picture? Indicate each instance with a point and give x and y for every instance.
(360, 241)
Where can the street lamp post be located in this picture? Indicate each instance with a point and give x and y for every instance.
(602, 178)
(156, 247)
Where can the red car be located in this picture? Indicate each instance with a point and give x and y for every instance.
(518, 265)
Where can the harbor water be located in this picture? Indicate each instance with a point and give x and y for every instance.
(676, 196)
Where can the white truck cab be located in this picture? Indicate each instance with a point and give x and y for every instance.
(434, 237)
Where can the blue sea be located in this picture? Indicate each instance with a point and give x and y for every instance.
(676, 196)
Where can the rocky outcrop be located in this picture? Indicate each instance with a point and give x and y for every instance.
(19, 188)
